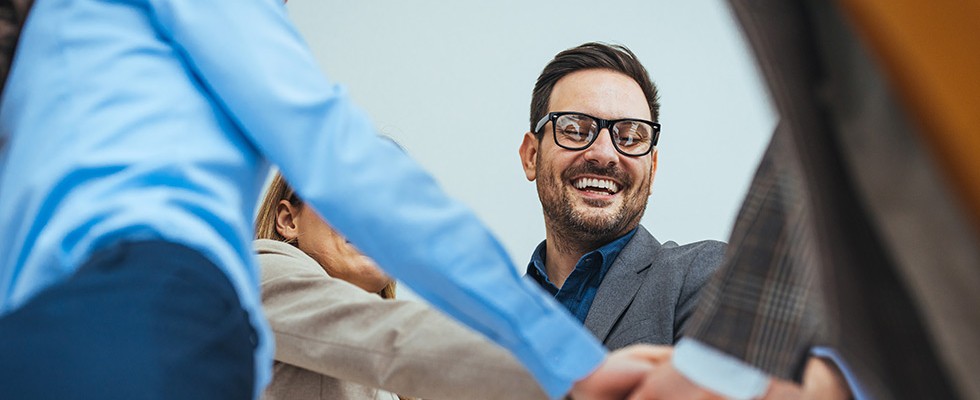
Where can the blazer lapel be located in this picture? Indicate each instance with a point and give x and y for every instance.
(622, 281)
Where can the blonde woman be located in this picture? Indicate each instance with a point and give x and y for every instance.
(341, 335)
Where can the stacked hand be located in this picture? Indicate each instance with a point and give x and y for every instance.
(644, 372)
(621, 373)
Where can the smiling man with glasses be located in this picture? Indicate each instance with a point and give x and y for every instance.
(592, 153)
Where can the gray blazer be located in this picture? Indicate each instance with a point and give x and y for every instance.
(650, 290)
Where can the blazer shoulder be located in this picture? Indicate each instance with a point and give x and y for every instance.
(702, 259)
(691, 265)
(710, 252)
(644, 248)
(702, 254)
(279, 260)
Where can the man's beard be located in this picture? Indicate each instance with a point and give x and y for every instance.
(577, 228)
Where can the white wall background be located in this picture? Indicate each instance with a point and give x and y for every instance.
(424, 69)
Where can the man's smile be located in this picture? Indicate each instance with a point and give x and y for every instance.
(596, 187)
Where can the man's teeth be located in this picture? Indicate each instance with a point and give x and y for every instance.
(591, 183)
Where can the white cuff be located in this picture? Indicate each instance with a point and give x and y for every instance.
(719, 372)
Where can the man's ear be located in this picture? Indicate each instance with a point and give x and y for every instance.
(529, 155)
(653, 169)
(286, 215)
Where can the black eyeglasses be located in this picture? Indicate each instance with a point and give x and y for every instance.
(577, 131)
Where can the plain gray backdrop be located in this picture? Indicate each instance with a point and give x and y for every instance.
(451, 81)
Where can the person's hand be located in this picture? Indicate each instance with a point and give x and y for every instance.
(822, 380)
(780, 389)
(620, 373)
(666, 382)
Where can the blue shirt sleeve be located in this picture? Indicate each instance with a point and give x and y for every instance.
(852, 383)
(257, 67)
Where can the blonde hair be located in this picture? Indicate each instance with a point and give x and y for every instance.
(265, 220)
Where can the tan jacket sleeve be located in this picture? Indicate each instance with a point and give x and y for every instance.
(334, 328)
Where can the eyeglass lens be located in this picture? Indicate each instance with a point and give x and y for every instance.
(577, 131)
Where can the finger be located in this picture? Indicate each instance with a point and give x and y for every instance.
(783, 390)
(649, 353)
(646, 390)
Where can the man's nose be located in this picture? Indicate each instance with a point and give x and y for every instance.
(602, 151)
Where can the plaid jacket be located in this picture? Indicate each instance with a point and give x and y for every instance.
(813, 258)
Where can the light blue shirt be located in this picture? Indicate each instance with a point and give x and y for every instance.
(146, 119)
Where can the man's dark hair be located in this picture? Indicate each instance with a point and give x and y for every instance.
(591, 56)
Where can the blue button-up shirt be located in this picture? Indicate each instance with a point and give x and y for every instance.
(154, 119)
(580, 287)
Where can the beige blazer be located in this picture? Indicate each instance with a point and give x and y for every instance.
(335, 341)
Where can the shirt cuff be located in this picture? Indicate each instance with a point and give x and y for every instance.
(719, 372)
(857, 392)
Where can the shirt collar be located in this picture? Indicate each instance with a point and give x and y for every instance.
(606, 254)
